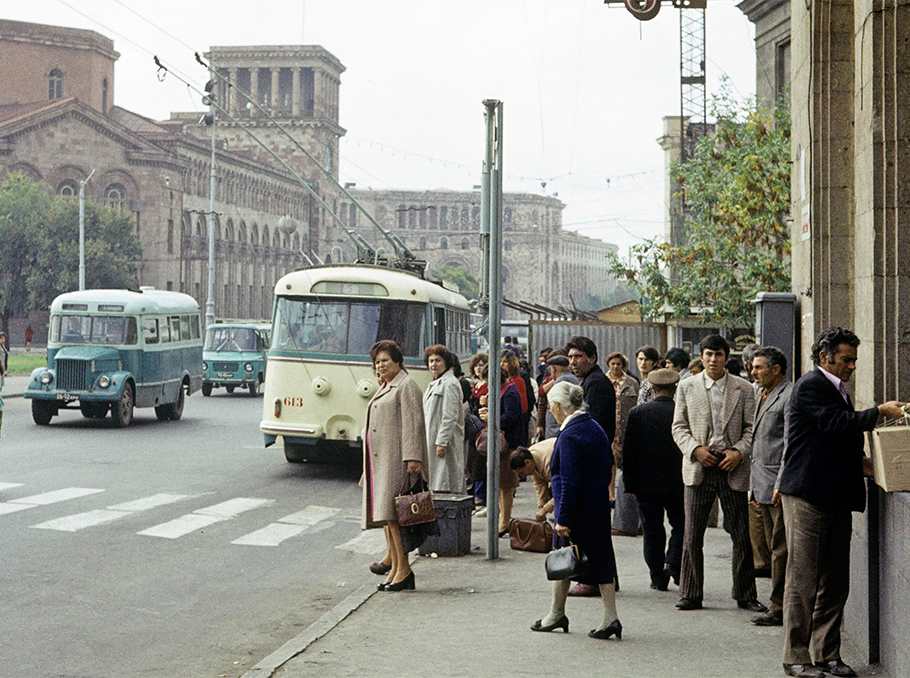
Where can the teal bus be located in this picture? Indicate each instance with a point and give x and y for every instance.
(115, 350)
(234, 356)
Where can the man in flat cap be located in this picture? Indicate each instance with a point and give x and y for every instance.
(652, 464)
(558, 366)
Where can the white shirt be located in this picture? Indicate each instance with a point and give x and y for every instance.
(716, 391)
(838, 384)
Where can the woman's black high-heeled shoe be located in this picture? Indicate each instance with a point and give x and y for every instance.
(614, 629)
(406, 584)
(381, 587)
(561, 623)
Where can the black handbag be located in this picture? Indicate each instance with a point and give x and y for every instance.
(566, 563)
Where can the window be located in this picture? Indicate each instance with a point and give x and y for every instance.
(115, 197)
(507, 245)
(164, 330)
(101, 330)
(444, 243)
(351, 328)
(422, 243)
(464, 243)
(219, 338)
(150, 330)
(104, 96)
(402, 216)
(174, 322)
(170, 236)
(68, 189)
(194, 325)
(55, 84)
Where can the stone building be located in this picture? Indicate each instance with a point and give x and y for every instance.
(542, 263)
(848, 64)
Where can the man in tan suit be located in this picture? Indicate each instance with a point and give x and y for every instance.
(712, 426)
(534, 461)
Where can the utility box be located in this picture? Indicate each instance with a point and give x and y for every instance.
(775, 323)
(454, 515)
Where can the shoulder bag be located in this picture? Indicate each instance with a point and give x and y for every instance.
(414, 506)
(566, 563)
(530, 535)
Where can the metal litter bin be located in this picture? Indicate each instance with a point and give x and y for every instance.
(454, 515)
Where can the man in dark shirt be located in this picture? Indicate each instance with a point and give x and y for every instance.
(600, 402)
(821, 483)
(652, 465)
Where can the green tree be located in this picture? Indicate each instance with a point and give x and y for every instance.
(112, 252)
(737, 242)
(24, 206)
(467, 283)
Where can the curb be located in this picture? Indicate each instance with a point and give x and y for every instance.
(312, 633)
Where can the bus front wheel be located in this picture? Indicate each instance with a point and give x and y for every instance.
(43, 412)
(206, 389)
(122, 411)
(254, 387)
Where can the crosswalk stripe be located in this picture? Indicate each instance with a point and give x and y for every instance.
(367, 542)
(14, 505)
(205, 517)
(80, 521)
(287, 527)
(9, 486)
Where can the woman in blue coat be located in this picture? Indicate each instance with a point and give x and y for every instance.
(580, 469)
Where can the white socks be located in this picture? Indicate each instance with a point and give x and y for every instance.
(558, 607)
(608, 593)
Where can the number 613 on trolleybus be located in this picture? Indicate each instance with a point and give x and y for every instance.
(326, 318)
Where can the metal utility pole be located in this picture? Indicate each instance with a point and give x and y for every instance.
(82, 231)
(210, 300)
(491, 225)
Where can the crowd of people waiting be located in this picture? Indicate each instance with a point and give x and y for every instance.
(614, 454)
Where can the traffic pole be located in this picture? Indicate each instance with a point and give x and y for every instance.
(82, 231)
(210, 300)
(491, 207)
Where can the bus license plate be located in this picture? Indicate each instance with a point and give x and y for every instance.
(225, 374)
(67, 396)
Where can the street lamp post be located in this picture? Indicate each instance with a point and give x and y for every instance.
(82, 231)
(210, 300)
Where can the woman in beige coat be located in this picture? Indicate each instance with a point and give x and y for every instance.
(395, 446)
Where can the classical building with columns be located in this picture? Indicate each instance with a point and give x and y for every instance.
(58, 122)
(542, 262)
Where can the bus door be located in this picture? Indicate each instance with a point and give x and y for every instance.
(150, 371)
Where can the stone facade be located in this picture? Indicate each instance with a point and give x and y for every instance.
(542, 263)
(59, 63)
(850, 95)
(772, 47)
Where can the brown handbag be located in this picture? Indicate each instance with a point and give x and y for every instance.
(414, 505)
(530, 535)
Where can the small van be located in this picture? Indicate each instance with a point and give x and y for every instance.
(115, 350)
(234, 356)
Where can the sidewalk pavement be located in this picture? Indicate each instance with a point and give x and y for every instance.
(470, 617)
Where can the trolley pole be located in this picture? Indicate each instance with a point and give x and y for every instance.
(491, 209)
(210, 300)
(82, 231)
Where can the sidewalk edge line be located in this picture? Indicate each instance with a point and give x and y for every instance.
(319, 628)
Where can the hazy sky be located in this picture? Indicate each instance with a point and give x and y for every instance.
(585, 86)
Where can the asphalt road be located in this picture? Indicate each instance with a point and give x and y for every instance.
(168, 548)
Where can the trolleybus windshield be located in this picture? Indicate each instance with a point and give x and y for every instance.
(348, 327)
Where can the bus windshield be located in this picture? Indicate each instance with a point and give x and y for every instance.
(348, 327)
(230, 339)
(105, 330)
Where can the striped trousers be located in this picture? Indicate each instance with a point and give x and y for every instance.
(698, 500)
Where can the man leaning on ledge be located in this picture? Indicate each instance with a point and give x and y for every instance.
(820, 485)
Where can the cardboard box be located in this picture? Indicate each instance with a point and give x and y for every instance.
(891, 458)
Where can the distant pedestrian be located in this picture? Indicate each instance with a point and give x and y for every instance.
(769, 439)
(821, 484)
(511, 343)
(4, 352)
(558, 365)
(29, 334)
(646, 359)
(580, 469)
(477, 463)
(678, 359)
(652, 469)
(395, 449)
(734, 366)
(534, 461)
(2, 373)
(444, 416)
(761, 554)
(542, 365)
(625, 516)
(712, 425)
(696, 366)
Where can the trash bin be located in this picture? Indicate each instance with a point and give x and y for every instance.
(454, 515)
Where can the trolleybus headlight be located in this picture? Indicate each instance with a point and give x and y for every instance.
(46, 378)
(205, 366)
(321, 386)
(366, 388)
(104, 381)
(248, 367)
